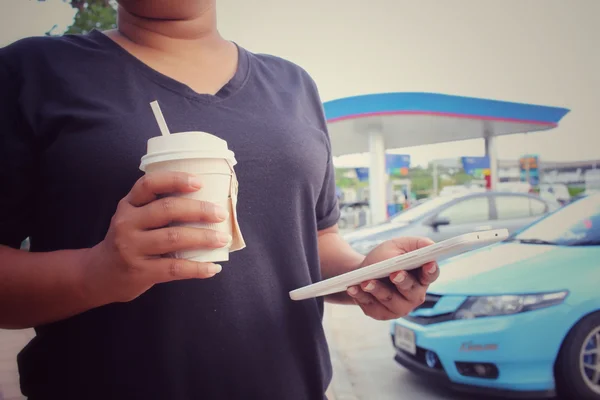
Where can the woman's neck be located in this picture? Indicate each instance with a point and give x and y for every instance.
(172, 36)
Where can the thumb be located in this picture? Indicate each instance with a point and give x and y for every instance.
(396, 247)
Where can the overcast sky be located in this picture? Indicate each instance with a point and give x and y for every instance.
(535, 51)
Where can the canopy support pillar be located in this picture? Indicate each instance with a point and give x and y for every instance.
(491, 152)
(377, 176)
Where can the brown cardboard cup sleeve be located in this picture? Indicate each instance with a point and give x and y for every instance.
(237, 241)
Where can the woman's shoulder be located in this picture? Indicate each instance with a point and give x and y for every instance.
(282, 69)
(46, 51)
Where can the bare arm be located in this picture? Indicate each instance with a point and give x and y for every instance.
(337, 257)
(37, 288)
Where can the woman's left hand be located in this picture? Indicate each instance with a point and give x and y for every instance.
(386, 300)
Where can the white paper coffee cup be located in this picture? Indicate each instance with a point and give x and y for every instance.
(209, 158)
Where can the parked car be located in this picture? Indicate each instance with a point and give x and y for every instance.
(443, 217)
(517, 318)
(557, 191)
(584, 194)
(458, 189)
(515, 187)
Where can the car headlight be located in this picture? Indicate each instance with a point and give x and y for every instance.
(489, 306)
(365, 246)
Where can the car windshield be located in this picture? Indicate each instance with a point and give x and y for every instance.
(420, 210)
(577, 224)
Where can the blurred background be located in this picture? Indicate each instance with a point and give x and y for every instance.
(446, 117)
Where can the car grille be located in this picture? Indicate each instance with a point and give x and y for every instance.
(434, 319)
(430, 301)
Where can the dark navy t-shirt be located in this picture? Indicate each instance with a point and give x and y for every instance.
(74, 120)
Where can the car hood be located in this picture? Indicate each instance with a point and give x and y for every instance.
(507, 268)
(368, 232)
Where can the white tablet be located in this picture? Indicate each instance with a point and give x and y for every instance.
(412, 260)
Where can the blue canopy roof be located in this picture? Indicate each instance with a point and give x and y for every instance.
(412, 119)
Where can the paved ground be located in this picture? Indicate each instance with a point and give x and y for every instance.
(363, 361)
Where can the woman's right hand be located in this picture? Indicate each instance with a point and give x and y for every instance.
(129, 260)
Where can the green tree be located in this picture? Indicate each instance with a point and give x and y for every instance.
(461, 178)
(343, 182)
(421, 179)
(91, 14)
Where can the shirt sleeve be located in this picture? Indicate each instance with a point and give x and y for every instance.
(327, 206)
(16, 162)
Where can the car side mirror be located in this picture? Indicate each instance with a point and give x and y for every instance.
(439, 221)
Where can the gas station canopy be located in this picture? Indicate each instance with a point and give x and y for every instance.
(376, 122)
(415, 119)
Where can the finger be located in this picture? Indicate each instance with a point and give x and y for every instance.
(360, 296)
(407, 244)
(429, 273)
(369, 305)
(167, 240)
(396, 247)
(172, 269)
(149, 187)
(388, 296)
(408, 286)
(164, 211)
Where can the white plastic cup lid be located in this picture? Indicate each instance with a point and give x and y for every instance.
(186, 145)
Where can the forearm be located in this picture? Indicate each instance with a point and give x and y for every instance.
(337, 257)
(38, 288)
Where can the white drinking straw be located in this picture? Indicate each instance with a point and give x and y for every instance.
(160, 119)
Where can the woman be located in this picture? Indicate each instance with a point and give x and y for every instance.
(113, 319)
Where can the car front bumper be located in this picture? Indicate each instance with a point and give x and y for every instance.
(440, 377)
(520, 348)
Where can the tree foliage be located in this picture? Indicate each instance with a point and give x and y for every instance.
(421, 179)
(91, 14)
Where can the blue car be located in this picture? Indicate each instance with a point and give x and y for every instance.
(520, 318)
